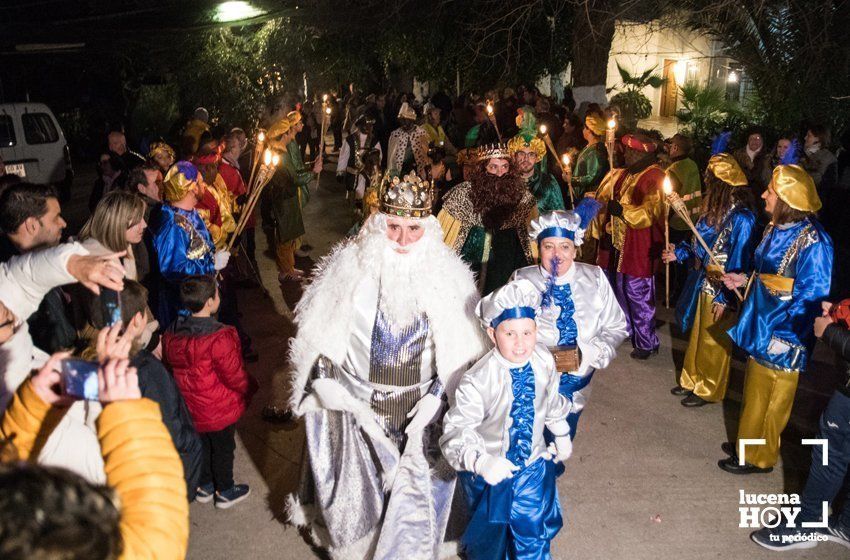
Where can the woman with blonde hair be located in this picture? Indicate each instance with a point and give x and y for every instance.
(117, 225)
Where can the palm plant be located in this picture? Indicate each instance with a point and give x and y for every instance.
(631, 101)
(796, 52)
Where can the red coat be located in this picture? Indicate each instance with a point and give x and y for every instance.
(235, 184)
(206, 360)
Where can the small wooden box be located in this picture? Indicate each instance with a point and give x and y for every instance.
(567, 358)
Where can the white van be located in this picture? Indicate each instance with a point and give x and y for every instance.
(33, 145)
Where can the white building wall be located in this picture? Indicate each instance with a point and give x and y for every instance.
(640, 46)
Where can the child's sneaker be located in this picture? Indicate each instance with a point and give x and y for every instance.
(230, 498)
(205, 493)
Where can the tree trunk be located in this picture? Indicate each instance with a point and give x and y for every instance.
(593, 31)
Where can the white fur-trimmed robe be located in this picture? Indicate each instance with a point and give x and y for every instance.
(446, 293)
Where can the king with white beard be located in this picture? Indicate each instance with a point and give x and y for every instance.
(384, 333)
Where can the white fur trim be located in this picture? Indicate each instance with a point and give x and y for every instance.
(324, 314)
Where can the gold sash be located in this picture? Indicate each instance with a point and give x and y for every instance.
(777, 284)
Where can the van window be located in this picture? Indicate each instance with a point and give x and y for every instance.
(7, 132)
(39, 129)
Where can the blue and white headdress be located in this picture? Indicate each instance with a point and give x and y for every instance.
(569, 224)
(519, 299)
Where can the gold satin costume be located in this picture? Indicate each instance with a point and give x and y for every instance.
(765, 411)
(707, 359)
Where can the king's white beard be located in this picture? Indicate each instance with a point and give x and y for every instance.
(403, 277)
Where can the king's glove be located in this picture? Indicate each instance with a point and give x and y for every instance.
(221, 259)
(494, 469)
(561, 449)
(423, 413)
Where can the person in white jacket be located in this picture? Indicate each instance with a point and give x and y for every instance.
(580, 313)
(494, 433)
(24, 280)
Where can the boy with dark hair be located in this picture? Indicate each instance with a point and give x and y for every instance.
(206, 359)
(155, 382)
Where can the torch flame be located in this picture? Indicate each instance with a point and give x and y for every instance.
(261, 137)
(325, 97)
(667, 185)
(327, 110)
(612, 124)
(566, 159)
(489, 108)
(267, 157)
(543, 129)
(275, 160)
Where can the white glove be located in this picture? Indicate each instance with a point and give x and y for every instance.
(494, 469)
(563, 448)
(776, 346)
(423, 413)
(331, 395)
(589, 356)
(221, 259)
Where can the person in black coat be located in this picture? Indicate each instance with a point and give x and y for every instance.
(825, 480)
(155, 381)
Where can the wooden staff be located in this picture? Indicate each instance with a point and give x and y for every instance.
(492, 118)
(668, 190)
(610, 138)
(326, 115)
(255, 156)
(679, 206)
(266, 171)
(568, 173)
(544, 133)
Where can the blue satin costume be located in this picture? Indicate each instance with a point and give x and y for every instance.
(568, 334)
(732, 244)
(518, 518)
(184, 248)
(801, 251)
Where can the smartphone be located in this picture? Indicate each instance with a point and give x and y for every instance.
(110, 306)
(79, 378)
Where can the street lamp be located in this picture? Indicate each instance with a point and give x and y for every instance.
(235, 10)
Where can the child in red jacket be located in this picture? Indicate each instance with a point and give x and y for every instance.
(206, 359)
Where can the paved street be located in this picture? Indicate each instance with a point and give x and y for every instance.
(642, 483)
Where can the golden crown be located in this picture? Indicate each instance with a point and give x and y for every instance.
(407, 197)
(494, 151)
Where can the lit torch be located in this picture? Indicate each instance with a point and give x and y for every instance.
(610, 138)
(267, 169)
(667, 186)
(491, 115)
(678, 205)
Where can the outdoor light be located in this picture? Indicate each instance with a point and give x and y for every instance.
(235, 10)
(679, 70)
(732, 78)
(612, 124)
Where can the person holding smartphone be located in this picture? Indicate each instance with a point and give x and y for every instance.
(141, 512)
